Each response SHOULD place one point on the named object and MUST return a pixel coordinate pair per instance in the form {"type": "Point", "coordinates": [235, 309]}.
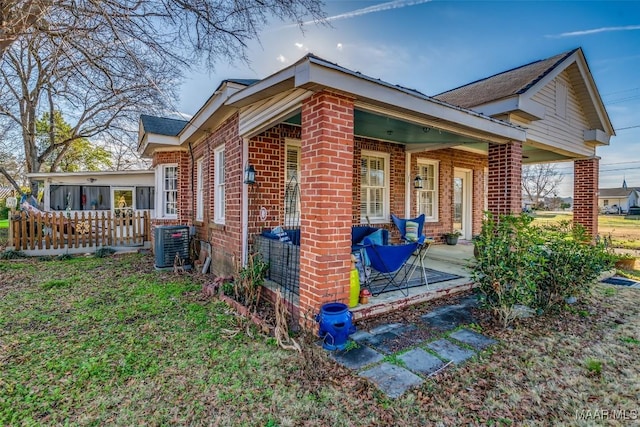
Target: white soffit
{"type": "Point", "coordinates": [262, 115]}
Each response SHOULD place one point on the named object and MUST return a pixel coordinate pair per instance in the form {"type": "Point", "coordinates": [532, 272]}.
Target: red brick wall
{"type": "Point", "coordinates": [326, 194]}
{"type": "Point", "coordinates": [585, 194]}
{"type": "Point", "coordinates": [505, 178]}
{"type": "Point", "coordinates": [448, 160]}
{"type": "Point", "coordinates": [226, 240]}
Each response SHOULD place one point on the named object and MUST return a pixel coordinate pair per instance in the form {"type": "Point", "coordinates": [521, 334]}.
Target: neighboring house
{"type": "Point", "coordinates": [355, 144]}
{"type": "Point", "coordinates": [618, 200]}
{"type": "Point", "coordinates": [98, 191]}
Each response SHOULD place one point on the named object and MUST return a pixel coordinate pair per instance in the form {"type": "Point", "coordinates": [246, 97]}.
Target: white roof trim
{"type": "Point", "coordinates": [313, 74]}
{"type": "Point", "coordinates": [596, 136]}
{"type": "Point", "coordinates": [578, 58]}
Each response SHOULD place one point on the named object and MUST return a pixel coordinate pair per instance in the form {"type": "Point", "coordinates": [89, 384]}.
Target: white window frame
{"type": "Point", "coordinates": [384, 218]}
{"type": "Point", "coordinates": [161, 205]}
{"type": "Point", "coordinates": [436, 188]}
{"type": "Point", "coordinates": [295, 145]}
{"type": "Point", "coordinates": [219, 202]}
{"type": "Point", "coordinates": [199, 190]}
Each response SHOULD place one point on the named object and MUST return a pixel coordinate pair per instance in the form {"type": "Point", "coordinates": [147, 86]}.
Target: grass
{"type": "Point", "coordinates": [110, 341]}
{"type": "Point", "coordinates": [625, 233]}
{"type": "Point", "coordinates": [4, 223]}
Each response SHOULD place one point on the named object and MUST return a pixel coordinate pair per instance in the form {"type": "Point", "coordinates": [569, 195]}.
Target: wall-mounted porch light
{"type": "Point", "coordinates": [417, 182]}
{"type": "Point", "coordinates": [249, 175]}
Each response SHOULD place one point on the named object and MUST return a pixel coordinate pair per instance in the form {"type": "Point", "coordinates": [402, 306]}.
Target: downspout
{"type": "Point", "coordinates": [245, 203]}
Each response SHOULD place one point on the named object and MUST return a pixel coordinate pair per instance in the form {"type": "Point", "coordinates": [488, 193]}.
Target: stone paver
{"type": "Point", "coordinates": [449, 351]}
{"type": "Point", "coordinates": [448, 317]}
{"type": "Point", "coordinates": [421, 361]}
{"type": "Point", "coordinates": [393, 380]}
{"type": "Point", "coordinates": [473, 339]}
{"type": "Point", "coordinates": [368, 358]}
{"type": "Point", "coordinates": [357, 358]}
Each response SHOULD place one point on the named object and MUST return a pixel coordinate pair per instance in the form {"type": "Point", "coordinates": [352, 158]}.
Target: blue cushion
{"type": "Point", "coordinates": [375, 238]}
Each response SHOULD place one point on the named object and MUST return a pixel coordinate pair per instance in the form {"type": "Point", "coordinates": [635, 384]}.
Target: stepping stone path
{"type": "Point", "coordinates": [394, 372]}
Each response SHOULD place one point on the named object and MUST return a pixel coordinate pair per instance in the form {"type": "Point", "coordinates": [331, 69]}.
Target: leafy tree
{"type": "Point", "coordinates": [540, 181]}
{"type": "Point", "coordinates": [74, 156]}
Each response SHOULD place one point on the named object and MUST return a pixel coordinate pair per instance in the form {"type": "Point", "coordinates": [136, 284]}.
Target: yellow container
{"type": "Point", "coordinates": [354, 292]}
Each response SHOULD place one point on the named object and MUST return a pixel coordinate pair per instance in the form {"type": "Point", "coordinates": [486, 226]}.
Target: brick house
{"type": "Point", "coordinates": [356, 145]}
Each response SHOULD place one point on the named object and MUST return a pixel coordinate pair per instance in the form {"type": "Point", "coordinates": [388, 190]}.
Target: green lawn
{"type": "Point", "coordinates": [625, 233]}
{"type": "Point", "coordinates": [110, 341]}
{"type": "Point", "coordinates": [4, 223]}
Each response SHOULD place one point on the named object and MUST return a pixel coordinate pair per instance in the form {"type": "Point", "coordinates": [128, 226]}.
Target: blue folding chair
{"type": "Point", "coordinates": [423, 241]}
{"type": "Point", "coordinates": [388, 261]}
{"type": "Point", "coordinates": [401, 225]}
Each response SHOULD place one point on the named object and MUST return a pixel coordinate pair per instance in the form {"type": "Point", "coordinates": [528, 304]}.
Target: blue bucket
{"type": "Point", "coordinates": [335, 325]}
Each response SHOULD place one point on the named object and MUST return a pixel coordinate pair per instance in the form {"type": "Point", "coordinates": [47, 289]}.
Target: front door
{"type": "Point", "coordinates": [462, 186]}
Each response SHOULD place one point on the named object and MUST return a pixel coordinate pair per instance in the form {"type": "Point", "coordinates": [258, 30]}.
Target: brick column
{"type": "Point", "coordinates": [505, 178]}
{"type": "Point", "coordinates": [325, 199]}
{"type": "Point", "coordinates": [585, 193]}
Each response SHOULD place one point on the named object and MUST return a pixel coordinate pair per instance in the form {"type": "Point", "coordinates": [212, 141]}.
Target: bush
{"type": "Point", "coordinates": [508, 266]}
{"type": "Point", "coordinates": [572, 264]}
{"type": "Point", "coordinates": [519, 264]}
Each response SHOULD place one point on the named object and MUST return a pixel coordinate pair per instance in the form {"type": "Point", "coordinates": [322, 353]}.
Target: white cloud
{"type": "Point", "coordinates": [299, 45]}
{"type": "Point", "coordinates": [281, 59]}
{"type": "Point", "coordinates": [596, 31]}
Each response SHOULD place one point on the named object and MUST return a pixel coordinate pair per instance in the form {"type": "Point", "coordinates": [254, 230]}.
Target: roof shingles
{"type": "Point", "coordinates": [503, 85]}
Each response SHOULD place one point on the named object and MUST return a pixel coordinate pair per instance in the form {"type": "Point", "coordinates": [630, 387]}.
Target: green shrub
{"type": "Point", "coordinates": [12, 254]}
{"type": "Point", "coordinates": [104, 251]}
{"type": "Point", "coordinates": [572, 264]}
{"type": "Point", "coordinates": [538, 267]}
{"type": "Point", "coordinates": [509, 262]}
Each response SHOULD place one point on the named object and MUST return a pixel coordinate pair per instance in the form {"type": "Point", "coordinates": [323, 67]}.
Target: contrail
{"type": "Point", "coordinates": [596, 31]}
{"type": "Point", "coordinates": [395, 4]}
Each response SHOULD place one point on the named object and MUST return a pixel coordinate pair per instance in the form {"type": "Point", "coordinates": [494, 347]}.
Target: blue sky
{"type": "Point", "coordinates": [433, 46]}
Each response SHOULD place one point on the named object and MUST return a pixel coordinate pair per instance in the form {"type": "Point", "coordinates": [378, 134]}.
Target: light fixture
{"type": "Point", "coordinates": [92, 179]}
{"type": "Point", "coordinates": [249, 174]}
{"type": "Point", "coordinates": [426, 129]}
{"type": "Point", "coordinates": [417, 182]}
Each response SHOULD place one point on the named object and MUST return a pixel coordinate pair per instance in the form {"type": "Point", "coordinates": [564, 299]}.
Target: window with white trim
{"type": "Point", "coordinates": [219, 179]}
{"type": "Point", "coordinates": [427, 196]}
{"type": "Point", "coordinates": [292, 184]}
{"type": "Point", "coordinates": [374, 186]}
{"type": "Point", "coordinates": [169, 191]}
{"type": "Point", "coordinates": [199, 191]}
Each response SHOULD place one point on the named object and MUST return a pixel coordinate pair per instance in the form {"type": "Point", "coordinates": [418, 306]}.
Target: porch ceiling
{"type": "Point", "coordinates": [375, 126]}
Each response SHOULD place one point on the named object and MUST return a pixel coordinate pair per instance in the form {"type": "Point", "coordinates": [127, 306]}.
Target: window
{"type": "Point", "coordinates": [292, 185]}
{"type": "Point", "coordinates": [79, 197]}
{"type": "Point", "coordinates": [427, 197]}
{"type": "Point", "coordinates": [199, 191]}
{"type": "Point", "coordinates": [219, 195]}
{"type": "Point", "coordinates": [168, 191]}
{"type": "Point", "coordinates": [145, 197]}
{"type": "Point", "coordinates": [374, 187]}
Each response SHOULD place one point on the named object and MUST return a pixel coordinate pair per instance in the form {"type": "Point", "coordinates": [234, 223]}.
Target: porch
{"type": "Point", "coordinates": [451, 260]}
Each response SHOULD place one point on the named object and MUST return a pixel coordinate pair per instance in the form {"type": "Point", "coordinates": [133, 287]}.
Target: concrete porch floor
{"type": "Point", "coordinates": [449, 259]}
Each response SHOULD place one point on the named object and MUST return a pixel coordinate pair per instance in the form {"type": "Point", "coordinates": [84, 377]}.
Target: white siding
{"type": "Point", "coordinates": [566, 134]}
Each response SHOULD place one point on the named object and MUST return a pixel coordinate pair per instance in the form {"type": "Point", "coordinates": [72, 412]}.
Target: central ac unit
{"type": "Point", "coordinates": [171, 241]}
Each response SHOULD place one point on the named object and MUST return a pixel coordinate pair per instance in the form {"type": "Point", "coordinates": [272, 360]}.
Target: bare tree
{"type": "Point", "coordinates": [103, 62]}
{"type": "Point", "coordinates": [539, 181]}
{"type": "Point", "coordinates": [177, 29]}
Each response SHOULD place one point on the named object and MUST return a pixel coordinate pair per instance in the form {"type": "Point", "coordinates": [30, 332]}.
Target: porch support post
{"type": "Point", "coordinates": [505, 178]}
{"type": "Point", "coordinates": [585, 193]}
{"type": "Point", "coordinates": [326, 202]}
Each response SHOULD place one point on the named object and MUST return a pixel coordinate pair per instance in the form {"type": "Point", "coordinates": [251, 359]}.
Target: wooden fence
{"type": "Point", "coordinates": [53, 231]}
